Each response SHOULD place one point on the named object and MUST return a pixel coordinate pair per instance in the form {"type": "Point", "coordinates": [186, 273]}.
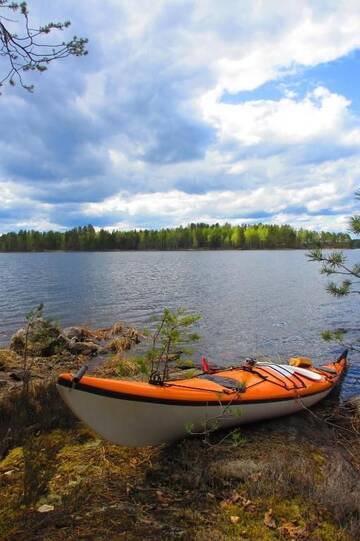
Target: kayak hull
{"type": "Point", "coordinates": [135, 423]}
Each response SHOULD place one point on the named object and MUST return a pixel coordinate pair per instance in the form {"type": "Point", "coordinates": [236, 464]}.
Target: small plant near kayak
{"type": "Point", "coordinates": [237, 437]}
{"type": "Point", "coordinates": [212, 424]}
{"type": "Point", "coordinates": [171, 339]}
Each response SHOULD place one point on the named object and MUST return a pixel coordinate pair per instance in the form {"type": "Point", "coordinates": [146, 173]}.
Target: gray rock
{"type": "Point", "coordinates": [42, 338]}
{"type": "Point", "coordinates": [74, 332]}
{"type": "Point", "coordinates": [16, 376]}
{"type": "Point", "coordinates": [17, 341]}
{"type": "Point", "coordinates": [237, 469]}
{"type": "Point", "coordinates": [86, 348]}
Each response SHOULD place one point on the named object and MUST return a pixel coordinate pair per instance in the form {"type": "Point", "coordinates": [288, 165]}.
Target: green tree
{"type": "Point", "coordinates": [237, 237]}
{"type": "Point", "coordinates": [263, 234]}
{"type": "Point", "coordinates": [26, 48]}
{"type": "Point", "coordinates": [251, 237]}
{"type": "Point", "coordinates": [336, 264]}
{"type": "Point", "coordinates": [193, 236]}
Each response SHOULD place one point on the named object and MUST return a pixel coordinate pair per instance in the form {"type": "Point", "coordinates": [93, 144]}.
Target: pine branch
{"type": "Point", "coordinates": [24, 53]}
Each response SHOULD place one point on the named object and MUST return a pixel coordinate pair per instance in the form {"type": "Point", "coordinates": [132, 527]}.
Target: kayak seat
{"type": "Point", "coordinates": [228, 383]}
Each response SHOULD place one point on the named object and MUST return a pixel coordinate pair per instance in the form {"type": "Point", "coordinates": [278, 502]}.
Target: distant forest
{"type": "Point", "coordinates": [194, 236]}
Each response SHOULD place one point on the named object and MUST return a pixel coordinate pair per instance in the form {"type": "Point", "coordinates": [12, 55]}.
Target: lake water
{"type": "Point", "coordinates": [252, 302]}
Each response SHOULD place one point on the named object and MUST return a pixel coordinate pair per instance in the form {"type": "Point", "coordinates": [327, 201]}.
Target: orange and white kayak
{"type": "Point", "coordinates": [135, 413]}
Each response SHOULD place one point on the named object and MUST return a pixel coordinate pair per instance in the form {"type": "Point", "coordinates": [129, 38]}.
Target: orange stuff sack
{"type": "Point", "coordinates": [301, 362]}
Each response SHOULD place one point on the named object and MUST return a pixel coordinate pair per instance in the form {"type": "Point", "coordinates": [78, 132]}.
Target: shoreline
{"type": "Point", "coordinates": [179, 250]}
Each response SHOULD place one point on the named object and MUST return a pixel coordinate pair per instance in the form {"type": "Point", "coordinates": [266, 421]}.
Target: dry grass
{"type": "Point", "coordinates": [118, 329]}
{"type": "Point", "coordinates": [322, 477]}
{"type": "Point", "coordinates": [120, 344]}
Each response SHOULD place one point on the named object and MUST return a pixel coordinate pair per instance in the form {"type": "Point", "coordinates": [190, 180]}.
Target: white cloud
{"type": "Point", "coordinates": [241, 45]}
{"type": "Point", "coordinates": [13, 193]}
{"type": "Point", "coordinates": [285, 34]}
{"type": "Point", "coordinates": [181, 207]}
{"type": "Point", "coordinates": [321, 222]}
{"type": "Point", "coordinates": [319, 114]}
{"type": "Point", "coordinates": [94, 94]}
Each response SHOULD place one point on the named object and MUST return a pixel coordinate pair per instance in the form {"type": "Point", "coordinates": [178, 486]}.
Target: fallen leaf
{"type": "Point", "coordinates": [247, 504]}
{"type": "Point", "coordinates": [235, 497]}
{"type": "Point", "coordinates": [145, 520]}
{"type": "Point", "coordinates": [9, 472]}
{"type": "Point", "coordinates": [45, 508]}
{"type": "Point", "coordinates": [234, 519]}
{"type": "Point", "coordinates": [269, 519]}
{"type": "Point", "coordinates": [292, 531]}
{"type": "Point", "coordinates": [162, 498]}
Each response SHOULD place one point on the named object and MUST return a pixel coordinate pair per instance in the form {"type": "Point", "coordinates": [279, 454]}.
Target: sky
{"type": "Point", "coordinates": [188, 111]}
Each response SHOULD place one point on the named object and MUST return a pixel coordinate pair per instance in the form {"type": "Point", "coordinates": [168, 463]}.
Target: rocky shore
{"type": "Point", "coordinates": [62, 350]}
{"type": "Point", "coordinates": [296, 478]}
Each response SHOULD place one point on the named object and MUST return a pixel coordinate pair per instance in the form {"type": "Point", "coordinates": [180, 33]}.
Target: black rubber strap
{"type": "Point", "coordinates": [327, 370]}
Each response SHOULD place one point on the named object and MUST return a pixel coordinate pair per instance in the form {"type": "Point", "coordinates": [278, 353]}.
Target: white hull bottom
{"type": "Point", "coordinates": [136, 423]}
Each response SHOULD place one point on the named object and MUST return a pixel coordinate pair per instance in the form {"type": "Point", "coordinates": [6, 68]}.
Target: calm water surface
{"type": "Point", "coordinates": [266, 302]}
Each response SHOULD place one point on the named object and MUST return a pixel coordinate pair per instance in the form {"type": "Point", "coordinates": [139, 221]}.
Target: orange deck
{"type": "Point", "coordinates": [257, 389]}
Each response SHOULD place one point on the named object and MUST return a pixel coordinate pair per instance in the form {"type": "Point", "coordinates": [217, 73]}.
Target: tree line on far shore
{"type": "Point", "coordinates": [193, 236]}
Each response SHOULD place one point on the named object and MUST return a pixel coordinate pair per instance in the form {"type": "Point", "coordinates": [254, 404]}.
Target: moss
{"type": "Point", "coordinates": [296, 515]}
{"type": "Point", "coordinates": [185, 363]}
{"type": "Point", "coordinates": [327, 531]}
{"type": "Point", "coordinates": [11, 486]}
{"type": "Point", "coordinates": [12, 460]}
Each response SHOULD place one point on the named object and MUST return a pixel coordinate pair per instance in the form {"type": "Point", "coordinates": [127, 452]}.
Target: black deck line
{"type": "Point", "coordinates": [168, 401]}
